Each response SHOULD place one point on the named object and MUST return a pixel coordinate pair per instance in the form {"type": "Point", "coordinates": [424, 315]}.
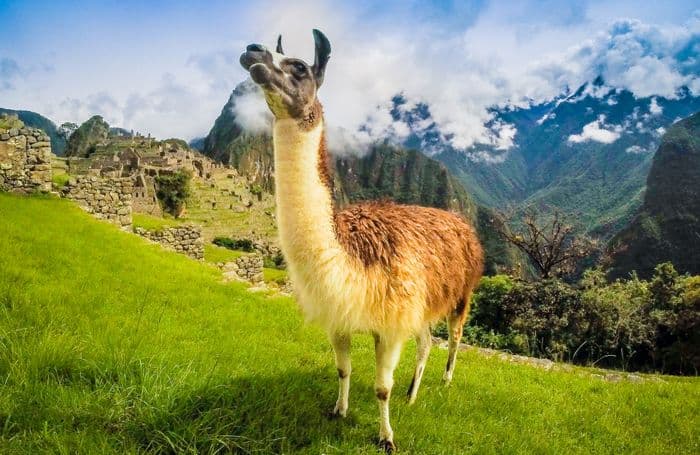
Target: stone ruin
{"type": "Point", "coordinates": [143, 160]}
{"type": "Point", "coordinates": [248, 267]}
{"type": "Point", "coordinates": [186, 239]}
{"type": "Point", "coordinates": [25, 157]}
{"type": "Point", "coordinates": [106, 198]}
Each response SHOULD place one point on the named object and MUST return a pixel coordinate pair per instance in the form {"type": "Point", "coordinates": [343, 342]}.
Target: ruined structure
{"type": "Point", "coordinates": [106, 198]}
{"type": "Point", "coordinates": [248, 267]}
{"type": "Point", "coordinates": [25, 157]}
{"type": "Point", "coordinates": [185, 239]}
{"type": "Point", "coordinates": [143, 159]}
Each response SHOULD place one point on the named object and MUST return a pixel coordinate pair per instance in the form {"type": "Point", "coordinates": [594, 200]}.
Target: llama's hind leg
{"type": "Point", "coordinates": [341, 346]}
{"type": "Point", "coordinates": [388, 352]}
{"type": "Point", "coordinates": [455, 324]}
{"type": "Point", "coordinates": [423, 344]}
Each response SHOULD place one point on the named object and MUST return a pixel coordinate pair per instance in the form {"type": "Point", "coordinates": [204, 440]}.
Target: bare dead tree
{"type": "Point", "coordinates": [550, 240]}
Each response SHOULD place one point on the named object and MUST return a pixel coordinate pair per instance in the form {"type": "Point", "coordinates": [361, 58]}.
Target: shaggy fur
{"type": "Point", "coordinates": [381, 268]}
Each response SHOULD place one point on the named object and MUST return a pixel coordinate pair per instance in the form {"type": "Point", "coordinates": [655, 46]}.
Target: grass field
{"type": "Point", "coordinates": [111, 344]}
{"type": "Point", "coordinates": [153, 223]}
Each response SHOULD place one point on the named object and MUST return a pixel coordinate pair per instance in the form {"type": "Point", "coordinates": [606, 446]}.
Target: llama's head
{"type": "Point", "coordinates": [289, 84]}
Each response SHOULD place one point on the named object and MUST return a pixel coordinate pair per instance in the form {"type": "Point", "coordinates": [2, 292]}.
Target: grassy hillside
{"type": "Point", "coordinates": [110, 344]}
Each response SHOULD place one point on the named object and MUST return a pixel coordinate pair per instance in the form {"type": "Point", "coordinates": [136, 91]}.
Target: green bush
{"type": "Point", "coordinates": [173, 191]}
{"type": "Point", "coordinates": [487, 303]}
{"type": "Point", "coordinates": [630, 324]}
{"type": "Point", "coordinates": [234, 244]}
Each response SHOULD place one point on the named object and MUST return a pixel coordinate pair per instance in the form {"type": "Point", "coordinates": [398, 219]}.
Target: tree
{"type": "Point", "coordinates": [549, 240]}
{"type": "Point", "coordinates": [173, 191]}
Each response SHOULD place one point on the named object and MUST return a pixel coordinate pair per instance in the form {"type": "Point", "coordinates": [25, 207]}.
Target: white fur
{"type": "Point", "coordinates": [334, 290]}
{"type": "Point", "coordinates": [277, 59]}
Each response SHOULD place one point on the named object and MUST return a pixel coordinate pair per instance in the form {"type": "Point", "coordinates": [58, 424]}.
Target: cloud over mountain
{"type": "Point", "coordinates": [460, 59]}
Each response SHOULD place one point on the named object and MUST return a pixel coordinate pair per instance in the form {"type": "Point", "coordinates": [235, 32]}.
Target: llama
{"type": "Point", "coordinates": [377, 267]}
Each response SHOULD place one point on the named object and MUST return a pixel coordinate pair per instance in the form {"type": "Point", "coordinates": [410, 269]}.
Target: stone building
{"type": "Point", "coordinates": [142, 160]}
{"type": "Point", "coordinates": [25, 157]}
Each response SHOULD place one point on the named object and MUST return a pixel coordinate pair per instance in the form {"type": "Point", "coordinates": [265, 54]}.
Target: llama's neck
{"type": "Point", "coordinates": [304, 200]}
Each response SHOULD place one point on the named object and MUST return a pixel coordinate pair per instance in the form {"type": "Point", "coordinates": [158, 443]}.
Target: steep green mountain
{"type": "Point", "coordinates": [197, 143]}
{"type": "Point", "coordinates": [667, 228]}
{"type": "Point", "coordinates": [390, 172]}
{"type": "Point", "coordinates": [88, 135]}
{"type": "Point", "coordinates": [58, 142]}
{"type": "Point", "coordinates": [586, 154]}
{"type": "Point", "coordinates": [229, 143]}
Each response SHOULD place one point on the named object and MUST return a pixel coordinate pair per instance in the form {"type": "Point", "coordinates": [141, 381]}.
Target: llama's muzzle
{"type": "Point", "coordinates": [255, 53]}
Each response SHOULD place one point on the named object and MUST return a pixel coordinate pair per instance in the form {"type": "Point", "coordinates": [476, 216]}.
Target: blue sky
{"type": "Point", "coordinates": [168, 67]}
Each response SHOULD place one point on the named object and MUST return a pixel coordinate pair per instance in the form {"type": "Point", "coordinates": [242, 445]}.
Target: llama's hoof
{"type": "Point", "coordinates": [387, 446]}
{"type": "Point", "coordinates": [336, 414]}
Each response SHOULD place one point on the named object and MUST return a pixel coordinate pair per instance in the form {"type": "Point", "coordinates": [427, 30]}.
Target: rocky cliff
{"type": "Point", "coordinates": [667, 228]}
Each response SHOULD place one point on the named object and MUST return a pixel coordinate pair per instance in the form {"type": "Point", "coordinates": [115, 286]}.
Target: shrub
{"type": "Point", "coordinates": [487, 303]}
{"type": "Point", "coordinates": [548, 314]}
{"type": "Point", "coordinates": [173, 191]}
{"type": "Point", "coordinates": [620, 329]}
{"type": "Point", "coordinates": [234, 244]}
{"type": "Point", "coordinates": [632, 324]}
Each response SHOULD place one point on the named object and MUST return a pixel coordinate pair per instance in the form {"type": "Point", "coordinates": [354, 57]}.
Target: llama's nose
{"type": "Point", "coordinates": [255, 48]}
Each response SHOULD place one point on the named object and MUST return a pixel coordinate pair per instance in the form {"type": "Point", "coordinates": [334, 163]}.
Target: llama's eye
{"type": "Point", "coordinates": [299, 68]}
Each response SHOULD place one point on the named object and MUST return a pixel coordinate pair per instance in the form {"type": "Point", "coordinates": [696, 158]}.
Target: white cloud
{"type": "Point", "coordinates": [597, 131]}
{"type": "Point", "coordinates": [643, 58]}
{"type": "Point", "coordinates": [249, 108]}
{"type": "Point", "coordinates": [635, 149]}
{"type": "Point", "coordinates": [654, 108]}
{"type": "Point", "coordinates": [545, 117]}
{"type": "Point", "coordinates": [502, 53]}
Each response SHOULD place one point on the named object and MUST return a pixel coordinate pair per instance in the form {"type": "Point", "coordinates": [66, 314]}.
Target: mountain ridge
{"type": "Point", "coordinates": [667, 226]}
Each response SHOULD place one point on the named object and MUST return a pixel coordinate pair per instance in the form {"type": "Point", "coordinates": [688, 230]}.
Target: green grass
{"type": "Point", "coordinates": [274, 275]}
{"type": "Point", "coordinates": [10, 122]}
{"type": "Point", "coordinates": [153, 223]}
{"type": "Point", "coordinates": [216, 254]}
{"type": "Point", "coordinates": [109, 344]}
{"type": "Point", "coordinates": [60, 180]}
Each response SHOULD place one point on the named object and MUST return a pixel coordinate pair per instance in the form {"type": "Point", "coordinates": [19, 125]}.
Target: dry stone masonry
{"type": "Point", "coordinates": [107, 198]}
{"type": "Point", "coordinates": [185, 239]}
{"type": "Point", "coordinates": [248, 267]}
{"type": "Point", "coordinates": [25, 158]}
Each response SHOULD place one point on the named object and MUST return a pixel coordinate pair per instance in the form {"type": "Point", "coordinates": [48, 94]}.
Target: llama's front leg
{"type": "Point", "coordinates": [388, 352]}
{"type": "Point", "coordinates": [341, 346]}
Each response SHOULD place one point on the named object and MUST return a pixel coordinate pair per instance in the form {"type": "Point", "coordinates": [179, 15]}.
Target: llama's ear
{"type": "Point", "coordinates": [323, 53]}
{"type": "Point", "coordinates": [279, 45]}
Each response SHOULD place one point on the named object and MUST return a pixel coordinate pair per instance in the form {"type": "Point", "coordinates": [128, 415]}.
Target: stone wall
{"type": "Point", "coordinates": [186, 239]}
{"type": "Point", "coordinates": [25, 160]}
{"type": "Point", "coordinates": [248, 267]}
{"type": "Point", "coordinates": [266, 248]}
{"type": "Point", "coordinates": [106, 198]}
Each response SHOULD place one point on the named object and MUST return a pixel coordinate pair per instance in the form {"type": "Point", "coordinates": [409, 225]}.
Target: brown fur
{"type": "Point", "coordinates": [310, 118]}
{"type": "Point", "coordinates": [388, 234]}
{"type": "Point", "coordinates": [325, 171]}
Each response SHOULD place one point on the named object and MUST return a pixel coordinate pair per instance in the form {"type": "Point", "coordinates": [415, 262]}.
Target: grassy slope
{"type": "Point", "coordinates": [108, 343]}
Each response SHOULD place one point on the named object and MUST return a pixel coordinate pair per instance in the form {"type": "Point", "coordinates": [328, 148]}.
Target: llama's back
{"type": "Point", "coordinates": [414, 244]}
